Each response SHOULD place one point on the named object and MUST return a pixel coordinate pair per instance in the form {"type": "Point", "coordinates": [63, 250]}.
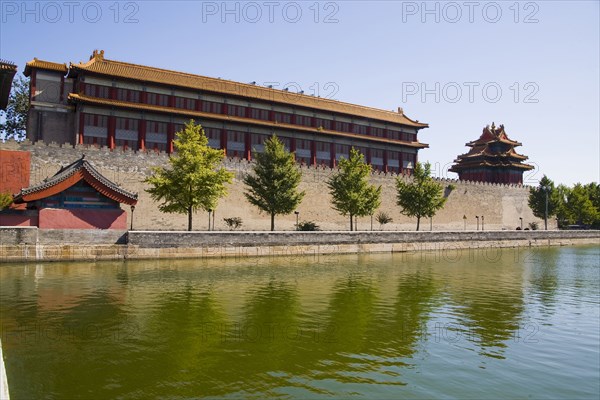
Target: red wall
{"type": "Point", "coordinates": [14, 171]}
{"type": "Point", "coordinates": [20, 219]}
{"type": "Point", "coordinates": [53, 218]}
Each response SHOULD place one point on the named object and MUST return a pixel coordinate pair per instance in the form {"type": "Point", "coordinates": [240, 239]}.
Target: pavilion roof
{"type": "Point", "coordinates": [69, 176]}
{"type": "Point", "coordinates": [47, 65]}
{"type": "Point", "coordinates": [100, 65]}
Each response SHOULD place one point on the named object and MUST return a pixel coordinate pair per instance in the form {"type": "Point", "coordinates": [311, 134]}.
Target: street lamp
{"type": "Point", "coordinates": [477, 216]}
{"type": "Point", "coordinates": [132, 210]}
{"type": "Point", "coordinates": [482, 227]}
{"type": "Point", "coordinates": [521, 219]}
{"type": "Point", "coordinates": [546, 189]}
{"type": "Point", "coordinates": [465, 221]}
{"type": "Point", "coordinates": [297, 215]}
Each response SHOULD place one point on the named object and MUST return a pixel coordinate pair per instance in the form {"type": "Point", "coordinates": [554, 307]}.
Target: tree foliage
{"type": "Point", "coordinates": [273, 185]}
{"type": "Point", "coordinates": [537, 198]}
{"type": "Point", "coordinates": [6, 199]}
{"type": "Point", "coordinates": [13, 123]}
{"type": "Point", "coordinates": [579, 206]}
{"type": "Point", "coordinates": [351, 193]}
{"type": "Point", "coordinates": [194, 180]}
{"type": "Point", "coordinates": [421, 197]}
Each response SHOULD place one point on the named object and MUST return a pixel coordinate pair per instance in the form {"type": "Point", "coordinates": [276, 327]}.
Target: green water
{"type": "Point", "coordinates": [511, 323]}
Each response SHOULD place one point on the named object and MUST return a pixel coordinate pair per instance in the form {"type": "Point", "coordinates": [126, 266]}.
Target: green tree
{"type": "Point", "coordinates": [560, 197]}
{"type": "Point", "coordinates": [422, 197]}
{"type": "Point", "coordinates": [579, 206]}
{"type": "Point", "coordinates": [593, 190]}
{"type": "Point", "coordinates": [351, 193]}
{"type": "Point", "coordinates": [537, 199]}
{"type": "Point", "coordinates": [273, 185]}
{"type": "Point", "coordinates": [14, 119]}
{"type": "Point", "coordinates": [194, 180]}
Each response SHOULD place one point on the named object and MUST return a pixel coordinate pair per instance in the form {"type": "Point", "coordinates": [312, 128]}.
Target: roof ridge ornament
{"type": "Point", "coordinates": [97, 55]}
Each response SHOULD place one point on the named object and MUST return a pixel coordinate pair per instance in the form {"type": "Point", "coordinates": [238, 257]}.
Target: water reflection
{"type": "Point", "coordinates": [341, 327]}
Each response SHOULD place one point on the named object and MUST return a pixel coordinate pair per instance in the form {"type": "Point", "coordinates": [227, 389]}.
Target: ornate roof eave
{"type": "Point", "coordinates": [99, 65]}
{"type": "Point", "coordinates": [220, 117]}
{"type": "Point", "coordinates": [47, 65]}
{"type": "Point", "coordinates": [460, 167]}
{"type": "Point", "coordinates": [7, 74]}
{"type": "Point", "coordinates": [70, 175]}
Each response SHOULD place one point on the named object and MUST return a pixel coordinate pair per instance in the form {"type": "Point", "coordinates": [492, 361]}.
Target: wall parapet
{"type": "Point", "coordinates": [230, 163]}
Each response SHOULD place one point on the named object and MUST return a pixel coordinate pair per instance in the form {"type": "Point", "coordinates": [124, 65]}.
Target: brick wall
{"type": "Point", "coordinates": [501, 205]}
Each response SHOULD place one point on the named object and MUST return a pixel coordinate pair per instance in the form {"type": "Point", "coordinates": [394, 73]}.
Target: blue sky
{"type": "Point", "coordinates": [532, 66]}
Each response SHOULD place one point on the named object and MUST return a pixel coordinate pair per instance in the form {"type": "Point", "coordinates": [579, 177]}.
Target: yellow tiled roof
{"type": "Point", "coordinates": [198, 114]}
{"type": "Point", "coordinates": [99, 65]}
{"type": "Point", "coordinates": [48, 65]}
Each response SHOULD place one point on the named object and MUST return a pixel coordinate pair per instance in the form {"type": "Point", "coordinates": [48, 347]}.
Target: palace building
{"type": "Point", "coordinates": [120, 105]}
{"type": "Point", "coordinates": [76, 197]}
{"type": "Point", "coordinates": [492, 158]}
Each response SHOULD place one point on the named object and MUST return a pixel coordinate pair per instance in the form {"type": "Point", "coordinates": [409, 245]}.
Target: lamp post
{"type": "Point", "coordinates": [477, 216]}
{"type": "Point", "coordinates": [297, 215]}
{"type": "Point", "coordinates": [465, 221]}
{"type": "Point", "coordinates": [521, 220]}
{"type": "Point", "coordinates": [132, 210]}
{"type": "Point", "coordinates": [209, 211]}
{"type": "Point", "coordinates": [482, 227]}
{"type": "Point", "coordinates": [546, 189]}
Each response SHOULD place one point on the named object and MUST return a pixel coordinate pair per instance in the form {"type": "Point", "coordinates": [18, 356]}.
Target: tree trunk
{"type": "Point", "coordinates": [418, 222]}
{"type": "Point", "coordinates": [272, 221]}
{"type": "Point", "coordinates": [189, 218]}
{"type": "Point", "coordinates": [351, 225]}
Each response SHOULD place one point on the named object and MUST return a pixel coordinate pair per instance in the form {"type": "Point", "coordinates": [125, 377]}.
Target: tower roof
{"type": "Point", "coordinates": [493, 149]}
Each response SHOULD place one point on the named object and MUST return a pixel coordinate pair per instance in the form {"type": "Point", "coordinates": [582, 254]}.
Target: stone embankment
{"type": "Point", "coordinates": [32, 244]}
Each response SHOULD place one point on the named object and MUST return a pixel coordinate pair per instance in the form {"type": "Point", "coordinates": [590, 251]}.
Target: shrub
{"type": "Point", "coordinates": [307, 226]}
{"type": "Point", "coordinates": [383, 218]}
{"type": "Point", "coordinates": [6, 200]}
{"type": "Point", "coordinates": [533, 226]}
{"type": "Point", "coordinates": [233, 223]}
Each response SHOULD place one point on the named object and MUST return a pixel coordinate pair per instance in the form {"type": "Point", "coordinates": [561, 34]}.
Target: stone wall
{"type": "Point", "coordinates": [32, 244]}
{"type": "Point", "coordinates": [500, 205]}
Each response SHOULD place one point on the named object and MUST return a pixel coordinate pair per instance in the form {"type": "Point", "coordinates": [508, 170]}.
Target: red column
{"type": "Point", "coordinates": [313, 153]}
{"type": "Point", "coordinates": [142, 135]}
{"type": "Point", "coordinates": [293, 146]}
{"type": "Point", "coordinates": [332, 153]}
{"type": "Point", "coordinates": [81, 126]}
{"type": "Point", "coordinates": [144, 97]}
{"type": "Point", "coordinates": [248, 146]}
{"type": "Point", "coordinates": [112, 126]}
{"type": "Point", "coordinates": [170, 134]}
{"type": "Point", "coordinates": [401, 163]}
{"type": "Point", "coordinates": [112, 93]}
{"type": "Point", "coordinates": [224, 109]}
{"type": "Point", "coordinates": [368, 156]}
{"type": "Point", "coordinates": [385, 161]}
{"type": "Point", "coordinates": [32, 85]}
{"type": "Point", "coordinates": [224, 141]}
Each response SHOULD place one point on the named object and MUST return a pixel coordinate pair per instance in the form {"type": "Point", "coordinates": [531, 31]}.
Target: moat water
{"type": "Point", "coordinates": [487, 324]}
